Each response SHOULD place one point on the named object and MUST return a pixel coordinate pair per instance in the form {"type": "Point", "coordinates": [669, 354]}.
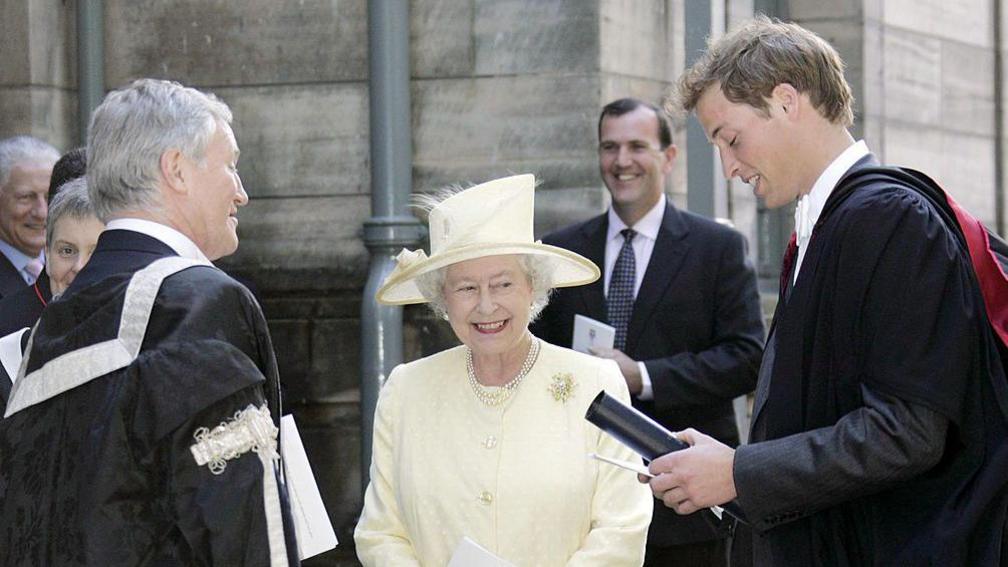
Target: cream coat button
{"type": "Point", "coordinates": [486, 498]}
{"type": "Point", "coordinates": [490, 442]}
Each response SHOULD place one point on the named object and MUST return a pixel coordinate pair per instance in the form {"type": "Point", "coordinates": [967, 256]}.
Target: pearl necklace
{"type": "Point", "coordinates": [497, 396]}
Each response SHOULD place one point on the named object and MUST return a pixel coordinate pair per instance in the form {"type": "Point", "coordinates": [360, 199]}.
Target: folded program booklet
{"type": "Point", "coordinates": [591, 333]}
{"type": "Point", "coordinates": [314, 531]}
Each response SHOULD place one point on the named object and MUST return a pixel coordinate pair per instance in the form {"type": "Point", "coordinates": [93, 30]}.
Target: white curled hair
{"type": "Point", "coordinates": [538, 270]}
{"type": "Point", "coordinates": [24, 149]}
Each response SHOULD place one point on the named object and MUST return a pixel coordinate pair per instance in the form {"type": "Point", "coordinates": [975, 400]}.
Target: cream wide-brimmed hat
{"type": "Point", "coordinates": [490, 219]}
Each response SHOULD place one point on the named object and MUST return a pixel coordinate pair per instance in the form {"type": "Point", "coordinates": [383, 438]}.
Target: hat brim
{"type": "Point", "coordinates": [569, 269]}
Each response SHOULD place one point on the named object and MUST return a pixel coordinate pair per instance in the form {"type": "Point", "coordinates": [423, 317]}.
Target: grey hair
{"type": "Point", "coordinates": [71, 200]}
{"type": "Point", "coordinates": [24, 149]}
{"type": "Point", "coordinates": [130, 131]}
{"type": "Point", "coordinates": [537, 268]}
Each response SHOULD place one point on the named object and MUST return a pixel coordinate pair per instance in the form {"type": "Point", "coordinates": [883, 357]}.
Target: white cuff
{"type": "Point", "coordinates": [647, 392]}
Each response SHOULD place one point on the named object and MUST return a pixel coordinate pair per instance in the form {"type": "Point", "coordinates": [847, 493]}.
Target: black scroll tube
{"type": "Point", "coordinates": [639, 432]}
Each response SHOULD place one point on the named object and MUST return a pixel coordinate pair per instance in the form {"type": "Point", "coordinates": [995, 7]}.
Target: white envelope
{"type": "Point", "coordinates": [591, 333]}
{"type": "Point", "coordinates": [313, 529]}
{"type": "Point", "coordinates": [471, 554]}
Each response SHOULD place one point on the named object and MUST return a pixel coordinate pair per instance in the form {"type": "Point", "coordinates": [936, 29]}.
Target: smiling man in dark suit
{"type": "Point", "coordinates": [683, 299]}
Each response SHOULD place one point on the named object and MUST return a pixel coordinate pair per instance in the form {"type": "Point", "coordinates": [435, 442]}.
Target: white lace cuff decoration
{"type": "Point", "coordinates": [251, 429]}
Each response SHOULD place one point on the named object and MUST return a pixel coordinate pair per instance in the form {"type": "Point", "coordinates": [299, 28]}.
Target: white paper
{"type": "Point", "coordinates": [314, 531]}
{"type": "Point", "coordinates": [10, 353]}
{"type": "Point", "coordinates": [471, 554]}
{"type": "Point", "coordinates": [591, 333]}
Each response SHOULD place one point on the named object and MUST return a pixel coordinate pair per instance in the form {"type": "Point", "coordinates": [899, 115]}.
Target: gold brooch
{"type": "Point", "coordinates": [562, 387]}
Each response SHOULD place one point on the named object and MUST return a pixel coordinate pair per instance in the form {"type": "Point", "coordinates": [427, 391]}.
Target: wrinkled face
{"type": "Point", "coordinates": [488, 301]}
{"type": "Point", "coordinates": [23, 207]}
{"type": "Point", "coordinates": [753, 147]}
{"type": "Point", "coordinates": [73, 241]}
{"type": "Point", "coordinates": [216, 193]}
{"type": "Point", "coordinates": [632, 164]}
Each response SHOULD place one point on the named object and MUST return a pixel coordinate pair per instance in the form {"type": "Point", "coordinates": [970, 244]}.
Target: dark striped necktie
{"type": "Point", "coordinates": [619, 303]}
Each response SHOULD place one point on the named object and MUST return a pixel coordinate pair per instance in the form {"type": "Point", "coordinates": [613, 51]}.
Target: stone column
{"type": "Point", "coordinates": [37, 70]}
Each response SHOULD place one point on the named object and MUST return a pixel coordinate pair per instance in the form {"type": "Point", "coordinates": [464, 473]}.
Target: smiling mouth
{"type": "Point", "coordinates": [490, 328]}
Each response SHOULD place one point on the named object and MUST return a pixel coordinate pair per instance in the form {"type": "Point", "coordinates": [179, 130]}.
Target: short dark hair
{"type": "Point", "coordinates": [70, 166]}
{"type": "Point", "coordinates": [625, 105]}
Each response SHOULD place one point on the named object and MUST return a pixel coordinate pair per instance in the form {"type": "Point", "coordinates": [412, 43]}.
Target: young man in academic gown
{"type": "Point", "coordinates": [879, 432]}
{"type": "Point", "coordinates": [143, 427]}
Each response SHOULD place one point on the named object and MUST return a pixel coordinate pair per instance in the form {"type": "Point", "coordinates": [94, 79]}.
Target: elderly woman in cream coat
{"type": "Point", "coordinates": [488, 441]}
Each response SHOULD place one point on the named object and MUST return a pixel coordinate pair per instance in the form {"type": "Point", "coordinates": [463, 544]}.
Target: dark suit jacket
{"type": "Point", "coordinates": [10, 280]}
{"type": "Point", "coordinates": [24, 307]}
{"type": "Point", "coordinates": [696, 324]}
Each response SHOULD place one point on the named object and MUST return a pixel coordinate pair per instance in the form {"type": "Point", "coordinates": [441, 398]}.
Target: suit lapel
{"type": "Point", "coordinates": [593, 294]}
{"type": "Point", "coordinates": [666, 257]}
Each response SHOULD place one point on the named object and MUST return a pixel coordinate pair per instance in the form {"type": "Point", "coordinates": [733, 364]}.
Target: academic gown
{"type": "Point", "coordinates": [886, 305]}
{"type": "Point", "coordinates": [107, 472]}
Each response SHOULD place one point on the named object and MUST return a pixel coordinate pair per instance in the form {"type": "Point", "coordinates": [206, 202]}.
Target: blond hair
{"type": "Point", "coordinates": [750, 61]}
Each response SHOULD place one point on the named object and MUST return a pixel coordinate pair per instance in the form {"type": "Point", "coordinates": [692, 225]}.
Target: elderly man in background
{"type": "Point", "coordinates": [22, 308]}
{"type": "Point", "coordinates": [142, 428]}
{"type": "Point", "coordinates": [26, 164]}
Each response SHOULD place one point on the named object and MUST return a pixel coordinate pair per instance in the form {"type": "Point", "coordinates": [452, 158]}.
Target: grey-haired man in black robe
{"type": "Point", "coordinates": [142, 428]}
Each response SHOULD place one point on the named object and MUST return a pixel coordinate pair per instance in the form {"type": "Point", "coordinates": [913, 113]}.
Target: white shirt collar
{"type": "Point", "coordinates": [811, 204]}
{"type": "Point", "coordinates": [18, 258]}
{"type": "Point", "coordinates": [648, 225]}
{"type": "Point", "coordinates": [174, 239]}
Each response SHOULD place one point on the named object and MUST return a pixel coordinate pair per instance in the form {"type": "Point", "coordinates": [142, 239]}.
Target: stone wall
{"type": "Point", "coordinates": [38, 76]}
{"type": "Point", "coordinates": [923, 73]}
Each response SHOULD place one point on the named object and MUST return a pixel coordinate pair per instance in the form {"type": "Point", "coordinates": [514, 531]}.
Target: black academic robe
{"type": "Point", "coordinates": [886, 306]}
{"type": "Point", "coordinates": [104, 473]}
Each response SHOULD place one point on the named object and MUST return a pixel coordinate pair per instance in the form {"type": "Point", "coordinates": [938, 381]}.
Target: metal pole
{"type": "Point", "coordinates": [699, 155]}
{"type": "Point", "coordinates": [391, 227]}
{"type": "Point", "coordinates": [90, 61]}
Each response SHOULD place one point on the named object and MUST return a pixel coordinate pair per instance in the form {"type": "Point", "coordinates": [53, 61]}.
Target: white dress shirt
{"type": "Point", "coordinates": [811, 204]}
{"type": "Point", "coordinates": [643, 244]}
{"type": "Point", "coordinates": [172, 238]}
